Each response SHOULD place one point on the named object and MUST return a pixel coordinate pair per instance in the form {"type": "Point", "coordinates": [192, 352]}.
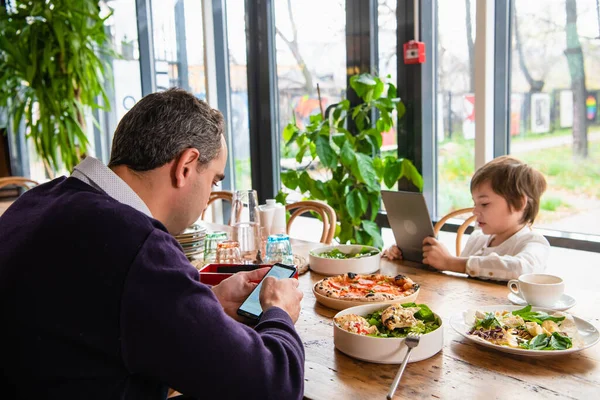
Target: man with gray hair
{"type": "Point", "coordinates": [97, 298]}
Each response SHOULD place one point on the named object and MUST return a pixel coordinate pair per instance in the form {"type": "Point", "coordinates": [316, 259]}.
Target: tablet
{"type": "Point", "coordinates": [410, 221]}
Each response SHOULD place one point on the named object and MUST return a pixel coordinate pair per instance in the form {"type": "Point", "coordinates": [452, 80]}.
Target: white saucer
{"type": "Point", "coordinates": [563, 304]}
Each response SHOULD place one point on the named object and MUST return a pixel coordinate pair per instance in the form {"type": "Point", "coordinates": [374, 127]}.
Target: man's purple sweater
{"type": "Point", "coordinates": [97, 301]}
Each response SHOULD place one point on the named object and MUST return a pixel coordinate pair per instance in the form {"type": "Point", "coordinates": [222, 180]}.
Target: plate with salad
{"type": "Point", "coordinates": [376, 332]}
{"type": "Point", "coordinates": [344, 258]}
{"type": "Point", "coordinates": [529, 331]}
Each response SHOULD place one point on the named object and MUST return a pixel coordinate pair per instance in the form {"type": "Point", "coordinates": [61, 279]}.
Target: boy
{"type": "Point", "coordinates": [506, 193]}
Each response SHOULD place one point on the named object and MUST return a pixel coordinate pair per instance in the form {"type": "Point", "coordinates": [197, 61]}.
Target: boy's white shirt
{"type": "Point", "coordinates": [524, 252]}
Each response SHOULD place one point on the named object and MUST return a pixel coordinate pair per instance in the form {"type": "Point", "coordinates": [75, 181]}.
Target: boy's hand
{"type": "Point", "coordinates": [436, 254]}
{"type": "Point", "coordinates": [393, 253]}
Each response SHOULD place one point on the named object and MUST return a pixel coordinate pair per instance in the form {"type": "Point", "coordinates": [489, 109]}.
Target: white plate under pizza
{"type": "Point", "coordinates": [348, 290]}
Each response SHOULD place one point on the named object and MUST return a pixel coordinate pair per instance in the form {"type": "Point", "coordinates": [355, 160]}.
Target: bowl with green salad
{"type": "Point", "coordinates": [341, 259]}
{"type": "Point", "coordinates": [376, 332]}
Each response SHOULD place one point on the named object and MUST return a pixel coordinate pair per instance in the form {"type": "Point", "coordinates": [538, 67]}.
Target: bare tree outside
{"type": "Point", "coordinates": [555, 105]}
{"type": "Point", "coordinates": [535, 85]}
{"type": "Point", "coordinates": [574, 55]}
{"type": "Point", "coordinates": [598, 14]}
{"type": "Point", "coordinates": [294, 47]}
{"type": "Point", "coordinates": [470, 46]}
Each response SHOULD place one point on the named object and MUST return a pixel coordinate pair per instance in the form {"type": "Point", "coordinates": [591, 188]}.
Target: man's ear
{"type": "Point", "coordinates": [187, 160]}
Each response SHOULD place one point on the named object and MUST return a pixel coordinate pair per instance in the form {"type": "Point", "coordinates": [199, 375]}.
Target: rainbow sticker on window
{"type": "Point", "coordinates": [591, 106]}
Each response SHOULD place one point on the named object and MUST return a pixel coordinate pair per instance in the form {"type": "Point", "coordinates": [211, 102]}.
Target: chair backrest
{"type": "Point", "coordinates": [224, 195]}
{"type": "Point", "coordinates": [17, 181]}
{"type": "Point", "coordinates": [461, 229]}
{"type": "Point", "coordinates": [324, 210]}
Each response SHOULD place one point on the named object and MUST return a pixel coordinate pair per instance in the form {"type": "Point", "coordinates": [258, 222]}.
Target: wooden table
{"type": "Point", "coordinates": [462, 369]}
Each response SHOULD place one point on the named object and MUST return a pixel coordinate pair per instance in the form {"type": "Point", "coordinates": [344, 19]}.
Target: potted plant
{"type": "Point", "coordinates": [352, 161]}
{"type": "Point", "coordinates": [53, 66]}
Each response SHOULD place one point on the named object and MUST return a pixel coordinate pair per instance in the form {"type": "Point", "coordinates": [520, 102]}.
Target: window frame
{"type": "Point", "coordinates": [146, 43]}
{"type": "Point", "coordinates": [262, 98]}
{"type": "Point", "coordinates": [218, 87]}
{"type": "Point", "coordinates": [502, 40]}
{"type": "Point", "coordinates": [417, 86]}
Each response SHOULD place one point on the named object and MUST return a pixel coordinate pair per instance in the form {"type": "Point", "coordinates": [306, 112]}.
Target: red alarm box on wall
{"type": "Point", "coordinates": [414, 52]}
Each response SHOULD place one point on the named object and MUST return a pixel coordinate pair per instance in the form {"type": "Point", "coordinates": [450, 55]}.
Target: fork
{"type": "Point", "coordinates": [412, 341]}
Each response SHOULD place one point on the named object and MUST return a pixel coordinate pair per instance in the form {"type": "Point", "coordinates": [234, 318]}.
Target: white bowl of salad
{"type": "Point", "coordinates": [363, 332]}
{"type": "Point", "coordinates": [341, 259]}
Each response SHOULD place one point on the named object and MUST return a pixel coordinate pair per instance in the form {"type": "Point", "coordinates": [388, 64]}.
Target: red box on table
{"type": "Point", "coordinates": [213, 274]}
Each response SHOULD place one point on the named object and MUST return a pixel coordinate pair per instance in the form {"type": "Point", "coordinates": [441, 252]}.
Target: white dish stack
{"type": "Point", "coordinates": [192, 240]}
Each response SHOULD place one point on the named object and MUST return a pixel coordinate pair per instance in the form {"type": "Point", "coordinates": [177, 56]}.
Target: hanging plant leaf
{"type": "Point", "coordinates": [317, 190]}
{"type": "Point", "coordinates": [301, 152]}
{"type": "Point", "coordinates": [365, 172]}
{"type": "Point", "coordinates": [326, 154]}
{"type": "Point", "coordinates": [304, 182]}
{"type": "Point", "coordinates": [55, 65]}
{"type": "Point", "coordinates": [351, 162]}
{"type": "Point", "coordinates": [392, 172]}
{"type": "Point", "coordinates": [410, 172]}
{"type": "Point", "coordinates": [289, 133]}
{"type": "Point", "coordinates": [356, 202]}
{"type": "Point", "coordinates": [378, 90]}
{"type": "Point", "coordinates": [401, 110]}
{"type": "Point", "coordinates": [290, 179]}
{"type": "Point", "coordinates": [374, 232]}
{"type": "Point", "coordinates": [339, 139]}
{"type": "Point", "coordinates": [347, 155]}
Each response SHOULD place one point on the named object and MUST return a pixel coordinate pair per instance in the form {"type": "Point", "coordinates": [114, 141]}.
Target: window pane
{"type": "Point", "coordinates": [455, 104]}
{"type": "Point", "coordinates": [388, 66]}
{"type": "Point", "coordinates": [179, 45]}
{"type": "Point", "coordinates": [194, 45]}
{"type": "Point", "coordinates": [554, 113]}
{"type": "Point", "coordinates": [122, 28]}
{"type": "Point", "coordinates": [126, 70]}
{"type": "Point", "coordinates": [387, 38]}
{"type": "Point", "coordinates": [311, 51]}
{"type": "Point", "coordinates": [238, 81]}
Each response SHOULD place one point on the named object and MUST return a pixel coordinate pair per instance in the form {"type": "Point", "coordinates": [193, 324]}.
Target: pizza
{"type": "Point", "coordinates": [367, 288]}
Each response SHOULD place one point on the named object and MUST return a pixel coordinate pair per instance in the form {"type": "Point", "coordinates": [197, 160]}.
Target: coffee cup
{"type": "Point", "coordinates": [541, 290]}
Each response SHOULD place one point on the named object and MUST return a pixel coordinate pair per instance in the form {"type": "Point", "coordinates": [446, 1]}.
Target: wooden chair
{"type": "Point", "coordinates": [13, 181]}
{"type": "Point", "coordinates": [324, 210]}
{"type": "Point", "coordinates": [17, 181]}
{"type": "Point", "coordinates": [224, 195]}
{"type": "Point", "coordinates": [461, 229]}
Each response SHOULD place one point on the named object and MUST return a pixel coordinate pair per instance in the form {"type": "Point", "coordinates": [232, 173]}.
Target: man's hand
{"type": "Point", "coordinates": [232, 291]}
{"type": "Point", "coordinates": [282, 293]}
{"type": "Point", "coordinates": [393, 253]}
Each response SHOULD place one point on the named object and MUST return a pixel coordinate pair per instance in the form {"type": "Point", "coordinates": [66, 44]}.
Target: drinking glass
{"type": "Point", "coordinates": [244, 207]}
{"type": "Point", "coordinates": [210, 245]}
{"type": "Point", "coordinates": [279, 250]}
{"type": "Point", "coordinates": [228, 252]}
{"type": "Point", "coordinates": [245, 221]}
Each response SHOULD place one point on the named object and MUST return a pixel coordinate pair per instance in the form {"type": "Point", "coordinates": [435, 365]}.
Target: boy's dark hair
{"type": "Point", "coordinates": [512, 179]}
{"type": "Point", "coordinates": [162, 125]}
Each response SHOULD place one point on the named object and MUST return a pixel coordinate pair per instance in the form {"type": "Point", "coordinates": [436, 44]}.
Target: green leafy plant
{"type": "Point", "coordinates": [52, 67]}
{"type": "Point", "coordinates": [351, 161]}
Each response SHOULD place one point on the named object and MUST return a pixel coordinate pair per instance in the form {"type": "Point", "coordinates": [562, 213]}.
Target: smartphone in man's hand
{"type": "Point", "coordinates": [251, 307]}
